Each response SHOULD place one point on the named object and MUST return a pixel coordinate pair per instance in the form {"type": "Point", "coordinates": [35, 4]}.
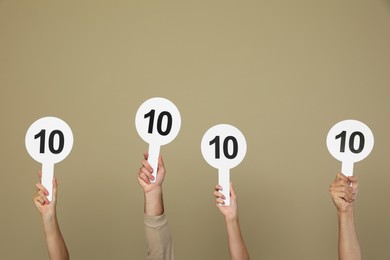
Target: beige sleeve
{"type": "Point", "coordinates": [158, 238]}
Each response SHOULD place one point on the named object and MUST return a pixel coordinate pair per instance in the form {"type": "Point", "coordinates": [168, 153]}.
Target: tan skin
{"type": "Point", "coordinates": [55, 243]}
{"type": "Point", "coordinates": [343, 191]}
{"type": "Point", "coordinates": [237, 248]}
{"type": "Point", "coordinates": [153, 203]}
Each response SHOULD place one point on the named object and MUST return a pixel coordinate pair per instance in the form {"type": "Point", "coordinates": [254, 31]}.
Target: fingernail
{"type": "Point", "coordinates": [46, 193]}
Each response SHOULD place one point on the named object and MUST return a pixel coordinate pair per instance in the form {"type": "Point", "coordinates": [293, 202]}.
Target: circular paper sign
{"type": "Point", "coordinates": [158, 121]}
{"type": "Point", "coordinates": [223, 146]}
{"type": "Point", "coordinates": [49, 140]}
{"type": "Point", "coordinates": [350, 141]}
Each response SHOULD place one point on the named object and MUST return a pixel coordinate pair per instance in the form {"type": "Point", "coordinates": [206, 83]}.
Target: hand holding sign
{"type": "Point", "coordinates": [349, 141]}
{"type": "Point", "coordinates": [49, 140]}
{"type": "Point", "coordinates": [158, 122]}
{"type": "Point", "coordinates": [223, 147]}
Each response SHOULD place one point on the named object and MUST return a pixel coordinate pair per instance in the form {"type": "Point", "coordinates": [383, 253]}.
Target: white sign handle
{"type": "Point", "coordinates": [154, 153]}
{"type": "Point", "coordinates": [47, 178]}
{"type": "Point", "coordinates": [347, 168]}
{"type": "Point", "coordinates": [224, 181]}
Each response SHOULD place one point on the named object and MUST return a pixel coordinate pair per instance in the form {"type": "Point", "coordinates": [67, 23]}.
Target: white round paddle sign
{"type": "Point", "coordinates": [158, 123]}
{"type": "Point", "coordinates": [349, 141]}
{"type": "Point", "coordinates": [224, 147]}
{"type": "Point", "coordinates": [49, 140]}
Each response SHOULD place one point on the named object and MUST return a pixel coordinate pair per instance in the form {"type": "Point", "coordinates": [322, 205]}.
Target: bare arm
{"type": "Point", "coordinates": [55, 243]}
{"type": "Point", "coordinates": [237, 248]}
{"type": "Point", "coordinates": [343, 191]}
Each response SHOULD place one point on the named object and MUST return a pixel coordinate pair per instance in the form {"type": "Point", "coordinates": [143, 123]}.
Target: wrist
{"type": "Point", "coordinates": [231, 219]}
{"type": "Point", "coordinates": [232, 224]}
{"type": "Point", "coordinates": [49, 219]}
{"type": "Point", "coordinates": [154, 205]}
{"type": "Point", "coordinates": [345, 212]}
{"type": "Point", "coordinates": [155, 191]}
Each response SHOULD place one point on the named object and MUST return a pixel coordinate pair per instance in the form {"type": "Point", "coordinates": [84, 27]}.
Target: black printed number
{"type": "Point", "coordinates": [42, 136]}
{"type": "Point", "coordinates": [343, 137]}
{"type": "Point", "coordinates": [229, 155]}
{"type": "Point", "coordinates": [160, 119]}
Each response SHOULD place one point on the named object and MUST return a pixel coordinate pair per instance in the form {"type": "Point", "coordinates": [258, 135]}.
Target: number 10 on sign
{"type": "Point", "coordinates": [349, 141]}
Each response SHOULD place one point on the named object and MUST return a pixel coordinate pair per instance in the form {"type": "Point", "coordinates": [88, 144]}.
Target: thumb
{"type": "Point", "coordinates": [161, 163]}
{"type": "Point", "coordinates": [232, 192]}
{"type": "Point", "coordinates": [55, 185]}
{"type": "Point", "coordinates": [40, 176]}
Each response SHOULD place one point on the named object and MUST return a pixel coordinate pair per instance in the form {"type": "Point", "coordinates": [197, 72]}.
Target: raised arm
{"type": "Point", "coordinates": [343, 191]}
{"type": "Point", "coordinates": [158, 237]}
{"type": "Point", "coordinates": [237, 248]}
{"type": "Point", "coordinates": [55, 243]}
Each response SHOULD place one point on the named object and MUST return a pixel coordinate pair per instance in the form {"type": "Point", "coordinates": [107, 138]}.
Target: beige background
{"type": "Point", "coordinates": [284, 72]}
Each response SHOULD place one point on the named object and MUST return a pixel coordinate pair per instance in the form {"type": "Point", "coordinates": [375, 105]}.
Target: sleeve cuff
{"type": "Point", "coordinates": [155, 221]}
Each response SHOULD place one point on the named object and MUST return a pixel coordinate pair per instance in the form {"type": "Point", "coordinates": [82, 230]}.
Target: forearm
{"type": "Point", "coordinates": [153, 203]}
{"type": "Point", "coordinates": [158, 238]}
{"type": "Point", "coordinates": [237, 248]}
{"type": "Point", "coordinates": [55, 242]}
{"type": "Point", "coordinates": [349, 248]}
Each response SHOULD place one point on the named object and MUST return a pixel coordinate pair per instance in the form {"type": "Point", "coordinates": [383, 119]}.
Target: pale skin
{"type": "Point", "coordinates": [237, 248]}
{"type": "Point", "coordinates": [55, 243]}
{"type": "Point", "coordinates": [343, 191]}
{"type": "Point", "coordinates": [153, 202]}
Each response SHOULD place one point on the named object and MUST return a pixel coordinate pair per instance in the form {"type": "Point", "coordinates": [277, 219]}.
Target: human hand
{"type": "Point", "coordinates": [45, 207]}
{"type": "Point", "coordinates": [343, 191]}
{"type": "Point", "coordinates": [229, 212]}
{"type": "Point", "coordinates": [145, 176]}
